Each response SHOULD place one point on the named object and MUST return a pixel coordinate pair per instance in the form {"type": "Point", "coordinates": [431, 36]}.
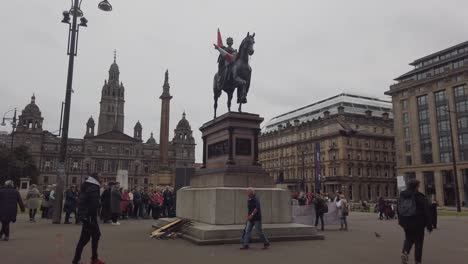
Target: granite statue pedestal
{"type": "Point", "coordinates": [217, 197]}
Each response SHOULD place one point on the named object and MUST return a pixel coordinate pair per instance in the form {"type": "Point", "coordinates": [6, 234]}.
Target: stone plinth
{"type": "Point", "coordinates": [217, 197]}
{"type": "Point", "coordinates": [228, 206]}
{"type": "Point", "coordinates": [205, 234]}
{"type": "Point", "coordinates": [231, 139]}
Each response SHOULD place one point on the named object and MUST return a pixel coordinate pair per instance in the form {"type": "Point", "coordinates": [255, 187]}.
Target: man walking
{"type": "Point", "coordinates": [413, 216]}
{"type": "Point", "coordinates": [254, 218]}
{"type": "Point", "coordinates": [320, 208]}
{"type": "Point", "coordinates": [10, 199]}
{"type": "Point", "coordinates": [88, 207]}
{"type": "Point", "coordinates": [71, 196]}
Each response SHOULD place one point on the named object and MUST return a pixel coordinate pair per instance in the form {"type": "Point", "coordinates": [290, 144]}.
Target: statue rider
{"type": "Point", "coordinates": [223, 64]}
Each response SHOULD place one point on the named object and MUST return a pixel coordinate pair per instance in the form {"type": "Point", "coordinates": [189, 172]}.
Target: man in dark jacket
{"type": "Point", "coordinates": [254, 218]}
{"type": "Point", "coordinates": [106, 213]}
{"type": "Point", "coordinates": [137, 202]}
{"type": "Point", "coordinates": [167, 200]}
{"type": "Point", "coordinates": [9, 201]}
{"type": "Point", "coordinates": [71, 197]}
{"type": "Point", "coordinates": [88, 207]}
{"type": "Point", "coordinates": [414, 217]}
{"type": "Point", "coordinates": [319, 205]}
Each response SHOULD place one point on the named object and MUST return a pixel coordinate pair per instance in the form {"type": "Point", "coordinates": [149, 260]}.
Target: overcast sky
{"type": "Point", "coordinates": [305, 50]}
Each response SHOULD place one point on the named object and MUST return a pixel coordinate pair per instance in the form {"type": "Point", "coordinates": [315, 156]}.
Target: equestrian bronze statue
{"type": "Point", "coordinates": [234, 72]}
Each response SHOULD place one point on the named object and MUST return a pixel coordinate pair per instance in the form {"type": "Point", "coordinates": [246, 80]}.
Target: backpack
{"type": "Point", "coordinates": [324, 206]}
{"type": "Point", "coordinates": [407, 206]}
{"type": "Point", "coordinates": [345, 209]}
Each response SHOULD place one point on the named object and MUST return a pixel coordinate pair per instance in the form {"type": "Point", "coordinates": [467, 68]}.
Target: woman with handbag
{"type": "Point", "coordinates": [343, 212]}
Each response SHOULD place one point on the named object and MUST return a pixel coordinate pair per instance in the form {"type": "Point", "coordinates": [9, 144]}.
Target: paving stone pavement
{"type": "Point", "coordinates": [45, 243]}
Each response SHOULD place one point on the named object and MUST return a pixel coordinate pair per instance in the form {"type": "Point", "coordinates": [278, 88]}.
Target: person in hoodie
{"type": "Point", "coordinates": [413, 217]}
{"type": "Point", "coordinates": [10, 199]}
{"type": "Point", "coordinates": [88, 207]}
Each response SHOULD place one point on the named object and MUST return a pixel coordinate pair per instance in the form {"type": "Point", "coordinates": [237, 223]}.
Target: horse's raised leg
{"type": "Point", "coordinates": [229, 100]}
{"type": "Point", "coordinates": [215, 105]}
{"type": "Point", "coordinates": [216, 93]}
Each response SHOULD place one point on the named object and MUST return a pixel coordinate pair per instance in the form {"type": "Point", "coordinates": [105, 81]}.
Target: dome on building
{"type": "Point", "coordinates": [183, 123]}
{"type": "Point", "coordinates": [32, 109]}
{"type": "Point", "coordinates": [151, 140]}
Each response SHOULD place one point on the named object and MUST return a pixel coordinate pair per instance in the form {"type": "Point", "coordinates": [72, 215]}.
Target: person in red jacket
{"type": "Point", "coordinates": [157, 203]}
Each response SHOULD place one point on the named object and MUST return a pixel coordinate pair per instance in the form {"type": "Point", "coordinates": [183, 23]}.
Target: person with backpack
{"type": "Point", "coordinates": [413, 217]}
{"type": "Point", "coordinates": [320, 209]}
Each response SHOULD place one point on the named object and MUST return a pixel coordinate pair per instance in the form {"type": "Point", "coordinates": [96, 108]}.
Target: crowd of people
{"type": "Point", "coordinates": [110, 202]}
{"type": "Point", "coordinates": [320, 202]}
{"type": "Point", "coordinates": [118, 203]}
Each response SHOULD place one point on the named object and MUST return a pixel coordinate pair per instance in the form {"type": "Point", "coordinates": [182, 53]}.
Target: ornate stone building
{"type": "Point", "coordinates": [355, 134]}
{"type": "Point", "coordinates": [422, 99]}
{"type": "Point", "coordinates": [110, 149]}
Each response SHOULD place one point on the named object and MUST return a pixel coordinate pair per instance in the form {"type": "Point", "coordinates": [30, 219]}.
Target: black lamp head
{"type": "Point", "coordinates": [105, 6]}
{"type": "Point", "coordinates": [66, 17]}
{"type": "Point", "coordinates": [84, 22]}
{"type": "Point", "coordinates": [77, 12]}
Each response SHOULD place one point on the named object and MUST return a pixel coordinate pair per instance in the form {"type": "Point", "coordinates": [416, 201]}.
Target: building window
{"type": "Point", "coordinates": [407, 146]}
{"type": "Point", "coordinates": [334, 171]}
{"type": "Point", "coordinates": [73, 180]}
{"type": "Point", "coordinates": [359, 156]}
{"type": "Point", "coordinates": [47, 165]}
{"type": "Point", "coordinates": [424, 128]}
{"type": "Point", "coordinates": [46, 179]}
{"type": "Point", "coordinates": [422, 101]}
{"type": "Point", "coordinates": [145, 181]}
{"type": "Point", "coordinates": [350, 171]}
{"type": "Point", "coordinates": [445, 157]}
{"type": "Point", "coordinates": [406, 132]}
{"type": "Point", "coordinates": [359, 171]}
{"type": "Point", "coordinates": [405, 118]}
{"type": "Point", "coordinates": [461, 99]}
{"type": "Point", "coordinates": [409, 161]}
{"type": "Point", "coordinates": [404, 104]}
{"type": "Point", "coordinates": [349, 155]}
{"type": "Point", "coordinates": [100, 149]}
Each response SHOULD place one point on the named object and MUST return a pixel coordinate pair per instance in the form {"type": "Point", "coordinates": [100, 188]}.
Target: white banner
{"type": "Point", "coordinates": [122, 178]}
{"type": "Point", "coordinates": [305, 214]}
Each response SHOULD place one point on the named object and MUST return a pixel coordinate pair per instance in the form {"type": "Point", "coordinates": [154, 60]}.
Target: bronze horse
{"type": "Point", "coordinates": [238, 75]}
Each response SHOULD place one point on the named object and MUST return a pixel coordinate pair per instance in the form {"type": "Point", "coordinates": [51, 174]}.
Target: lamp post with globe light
{"type": "Point", "coordinates": [73, 30]}
{"type": "Point", "coordinates": [13, 124]}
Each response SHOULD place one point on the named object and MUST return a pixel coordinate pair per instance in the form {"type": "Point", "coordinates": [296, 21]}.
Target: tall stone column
{"type": "Point", "coordinates": [164, 126]}
{"type": "Point", "coordinates": [439, 188]}
{"type": "Point", "coordinates": [421, 179]}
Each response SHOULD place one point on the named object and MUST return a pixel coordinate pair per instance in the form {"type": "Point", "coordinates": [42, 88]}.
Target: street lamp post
{"type": "Point", "coordinates": [13, 125]}
{"type": "Point", "coordinates": [73, 31]}
{"type": "Point", "coordinates": [454, 161]}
